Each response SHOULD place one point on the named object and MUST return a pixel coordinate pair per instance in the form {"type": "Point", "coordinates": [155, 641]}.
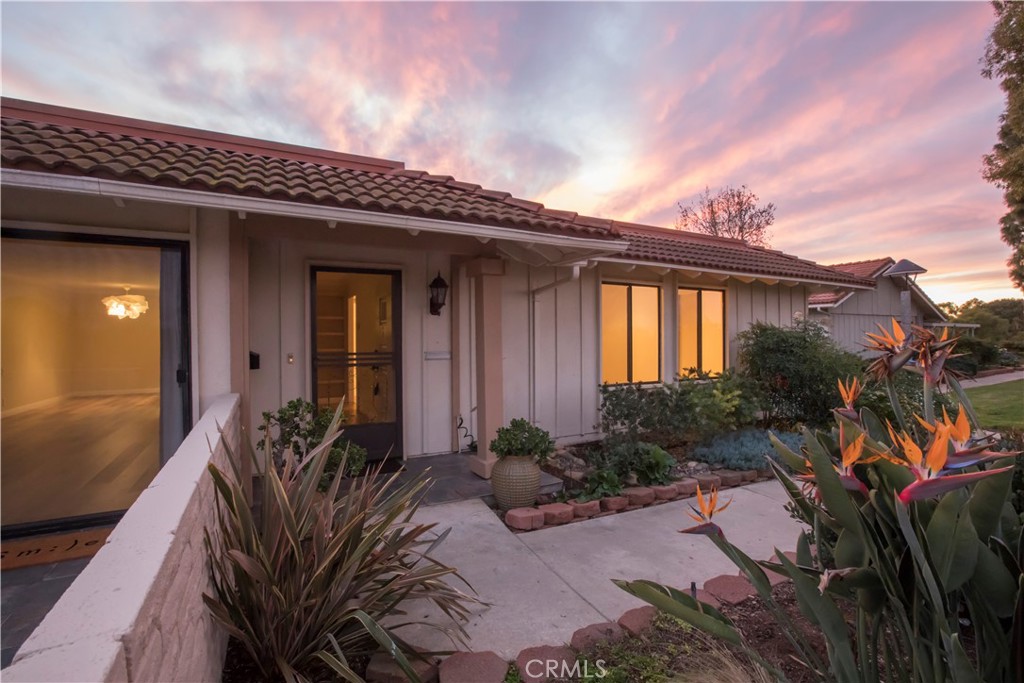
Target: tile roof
{"type": "Point", "coordinates": [123, 149]}
{"type": "Point", "coordinates": [678, 247]}
{"type": "Point", "coordinates": [45, 138]}
{"type": "Point", "coordinates": [869, 270]}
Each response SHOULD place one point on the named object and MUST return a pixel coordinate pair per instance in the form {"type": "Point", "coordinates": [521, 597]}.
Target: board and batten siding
{"type": "Point", "coordinates": [747, 304]}
{"type": "Point", "coordinates": [863, 312]}
{"type": "Point", "coordinates": [551, 341]}
{"type": "Point", "coordinates": [279, 288]}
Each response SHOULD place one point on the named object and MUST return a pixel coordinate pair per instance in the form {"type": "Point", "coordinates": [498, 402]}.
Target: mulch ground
{"type": "Point", "coordinates": [672, 648]}
{"type": "Point", "coordinates": [239, 668]}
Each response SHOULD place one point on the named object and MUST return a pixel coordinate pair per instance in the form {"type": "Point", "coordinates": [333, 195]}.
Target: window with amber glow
{"type": "Point", "coordinates": [701, 330]}
{"type": "Point", "coordinates": [630, 333]}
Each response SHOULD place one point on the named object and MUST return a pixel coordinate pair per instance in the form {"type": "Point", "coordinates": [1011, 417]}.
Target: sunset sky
{"type": "Point", "coordinates": [864, 123]}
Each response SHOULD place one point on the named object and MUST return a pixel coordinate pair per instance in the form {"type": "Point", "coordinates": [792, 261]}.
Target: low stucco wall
{"type": "Point", "coordinates": [136, 612]}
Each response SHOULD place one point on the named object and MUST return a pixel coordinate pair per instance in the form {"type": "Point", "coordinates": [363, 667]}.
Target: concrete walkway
{"type": "Point", "coordinates": [543, 585]}
{"type": "Point", "coordinates": [993, 379]}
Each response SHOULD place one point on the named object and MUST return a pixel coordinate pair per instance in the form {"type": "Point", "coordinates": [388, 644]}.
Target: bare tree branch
{"type": "Point", "coordinates": [730, 212]}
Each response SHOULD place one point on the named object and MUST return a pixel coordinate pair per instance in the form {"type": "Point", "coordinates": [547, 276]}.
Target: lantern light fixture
{"type": "Point", "coordinates": [438, 294]}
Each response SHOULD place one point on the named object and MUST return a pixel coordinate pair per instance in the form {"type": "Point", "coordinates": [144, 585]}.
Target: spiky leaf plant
{"type": "Point", "coordinates": [907, 528]}
{"type": "Point", "coordinates": [317, 578]}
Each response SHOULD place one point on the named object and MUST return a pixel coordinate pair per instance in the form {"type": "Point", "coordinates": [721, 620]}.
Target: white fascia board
{"type": "Point", "coordinates": [730, 273]}
{"type": "Point", "coordinates": [35, 180]}
{"type": "Point", "coordinates": [928, 301]}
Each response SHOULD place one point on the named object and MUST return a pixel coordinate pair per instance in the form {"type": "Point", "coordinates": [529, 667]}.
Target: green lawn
{"type": "Point", "coordinates": [999, 405]}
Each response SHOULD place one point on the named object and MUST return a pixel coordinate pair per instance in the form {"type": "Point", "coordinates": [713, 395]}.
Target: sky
{"type": "Point", "coordinates": [864, 123]}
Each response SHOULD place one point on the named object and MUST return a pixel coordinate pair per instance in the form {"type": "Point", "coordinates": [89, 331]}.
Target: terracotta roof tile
{"type": "Point", "coordinates": [41, 146]}
{"type": "Point", "coordinates": [867, 270]}
{"type": "Point", "coordinates": [698, 251]}
{"type": "Point", "coordinates": [52, 139]}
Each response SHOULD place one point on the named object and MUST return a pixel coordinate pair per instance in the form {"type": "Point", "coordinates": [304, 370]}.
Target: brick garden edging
{"type": "Point", "coordinates": [488, 667]}
{"type": "Point", "coordinates": [521, 520]}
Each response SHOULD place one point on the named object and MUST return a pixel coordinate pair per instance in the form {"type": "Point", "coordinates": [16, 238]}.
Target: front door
{"type": "Point", "coordinates": [356, 354]}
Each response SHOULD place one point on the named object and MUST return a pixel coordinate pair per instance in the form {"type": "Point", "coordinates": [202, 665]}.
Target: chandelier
{"type": "Point", "coordinates": [126, 305]}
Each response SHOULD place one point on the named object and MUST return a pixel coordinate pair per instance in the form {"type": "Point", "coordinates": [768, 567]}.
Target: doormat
{"type": "Point", "coordinates": [27, 552]}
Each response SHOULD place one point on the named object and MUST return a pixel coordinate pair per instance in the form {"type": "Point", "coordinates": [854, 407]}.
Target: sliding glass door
{"type": "Point", "coordinates": [95, 363]}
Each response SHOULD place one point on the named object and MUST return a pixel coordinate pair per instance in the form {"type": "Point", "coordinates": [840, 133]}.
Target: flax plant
{"type": "Point", "coordinates": [317, 578]}
{"type": "Point", "coordinates": [910, 561]}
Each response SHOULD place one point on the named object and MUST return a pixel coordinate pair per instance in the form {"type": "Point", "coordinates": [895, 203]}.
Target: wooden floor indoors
{"type": "Point", "coordinates": [83, 456]}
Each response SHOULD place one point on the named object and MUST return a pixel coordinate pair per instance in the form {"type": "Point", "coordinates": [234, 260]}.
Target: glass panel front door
{"type": "Point", "coordinates": [95, 375]}
{"type": "Point", "coordinates": [356, 321]}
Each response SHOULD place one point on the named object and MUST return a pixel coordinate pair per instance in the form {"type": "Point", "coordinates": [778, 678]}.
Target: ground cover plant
{"type": "Point", "coordinates": [746, 449]}
{"type": "Point", "coordinates": [919, 578]}
{"type": "Point", "coordinates": [317, 580]}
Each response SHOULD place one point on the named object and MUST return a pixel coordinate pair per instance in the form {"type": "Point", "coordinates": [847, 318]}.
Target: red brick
{"type": "Point", "coordinates": [686, 487]}
{"type": "Point", "coordinates": [639, 495]}
{"type": "Point", "coordinates": [710, 599]}
{"type": "Point", "coordinates": [524, 519]}
{"type": "Point", "coordinates": [707, 481]}
{"type": "Point", "coordinates": [630, 508]}
{"type": "Point", "coordinates": [613, 503]}
{"type": "Point", "coordinates": [729, 589]}
{"type": "Point", "coordinates": [606, 513]}
{"type": "Point", "coordinates": [638, 619]}
{"type": "Point", "coordinates": [556, 513]}
{"type": "Point", "coordinates": [729, 477]}
{"type": "Point", "coordinates": [588, 509]}
{"type": "Point", "coordinates": [536, 660]}
{"type": "Point", "coordinates": [384, 669]}
{"type": "Point", "coordinates": [590, 636]}
{"type": "Point", "coordinates": [665, 492]}
{"type": "Point", "coordinates": [749, 475]}
{"type": "Point", "coordinates": [773, 578]}
{"type": "Point", "coordinates": [473, 667]}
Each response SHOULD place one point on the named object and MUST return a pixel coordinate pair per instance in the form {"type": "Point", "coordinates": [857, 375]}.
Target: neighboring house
{"type": "Point", "coordinates": [848, 314]}
{"type": "Point", "coordinates": [275, 271]}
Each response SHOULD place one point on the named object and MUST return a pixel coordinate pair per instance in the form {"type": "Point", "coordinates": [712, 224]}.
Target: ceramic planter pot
{"type": "Point", "coordinates": [516, 481]}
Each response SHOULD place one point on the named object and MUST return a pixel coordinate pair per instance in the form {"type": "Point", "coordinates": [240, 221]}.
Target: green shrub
{"type": "Point", "coordinates": [308, 583]}
{"type": "Point", "coordinates": [978, 353]}
{"type": "Point", "coordinates": [795, 370]}
{"type": "Point", "coordinates": [298, 425]}
{"type": "Point", "coordinates": [747, 449]}
{"type": "Point", "coordinates": [687, 410]}
{"type": "Point", "coordinates": [522, 438]}
{"type": "Point", "coordinates": [617, 454]}
{"type": "Point", "coordinates": [653, 466]}
{"type": "Point", "coordinates": [600, 484]}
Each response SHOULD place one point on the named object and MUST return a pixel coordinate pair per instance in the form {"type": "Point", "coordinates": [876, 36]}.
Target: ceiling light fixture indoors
{"type": "Point", "coordinates": [126, 305]}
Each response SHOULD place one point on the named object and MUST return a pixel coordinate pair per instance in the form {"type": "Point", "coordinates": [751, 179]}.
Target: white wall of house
{"type": "Point", "coordinates": [552, 348]}
{"type": "Point", "coordinates": [864, 311]}
{"type": "Point", "coordinates": [279, 314]}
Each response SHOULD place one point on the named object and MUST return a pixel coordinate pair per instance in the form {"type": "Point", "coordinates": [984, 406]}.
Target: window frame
{"type": "Point", "coordinates": [629, 331]}
{"type": "Point", "coordinates": [700, 326]}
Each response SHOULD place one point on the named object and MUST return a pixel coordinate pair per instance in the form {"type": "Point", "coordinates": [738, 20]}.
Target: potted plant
{"type": "Point", "coordinates": [521, 448]}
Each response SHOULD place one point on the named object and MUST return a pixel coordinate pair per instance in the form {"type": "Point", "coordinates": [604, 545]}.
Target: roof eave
{"type": "Point", "coordinates": [730, 273]}
{"type": "Point", "coordinates": [36, 180]}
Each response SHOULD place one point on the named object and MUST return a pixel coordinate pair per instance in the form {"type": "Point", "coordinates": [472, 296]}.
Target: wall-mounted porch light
{"type": "Point", "coordinates": [438, 294]}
